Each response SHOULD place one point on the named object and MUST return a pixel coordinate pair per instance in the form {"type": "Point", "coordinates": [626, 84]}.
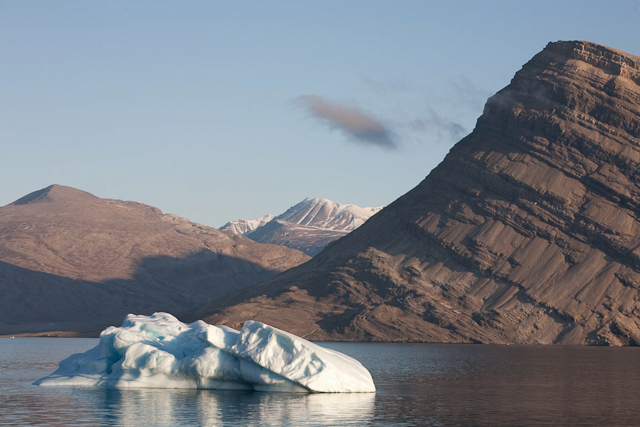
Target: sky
{"type": "Point", "coordinates": [217, 111]}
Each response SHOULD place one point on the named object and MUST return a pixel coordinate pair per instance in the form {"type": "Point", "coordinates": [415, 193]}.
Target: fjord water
{"type": "Point", "coordinates": [418, 384]}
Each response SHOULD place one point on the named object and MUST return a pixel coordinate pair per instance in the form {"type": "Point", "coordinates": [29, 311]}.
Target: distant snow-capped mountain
{"type": "Point", "coordinates": [246, 226]}
{"type": "Point", "coordinates": [328, 215]}
{"type": "Point", "coordinates": [308, 226]}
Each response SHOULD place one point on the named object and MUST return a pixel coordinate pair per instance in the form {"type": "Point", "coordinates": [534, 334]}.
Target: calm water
{"type": "Point", "coordinates": [418, 384]}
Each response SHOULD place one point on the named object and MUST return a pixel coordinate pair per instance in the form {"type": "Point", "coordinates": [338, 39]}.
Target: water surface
{"type": "Point", "coordinates": [418, 384]}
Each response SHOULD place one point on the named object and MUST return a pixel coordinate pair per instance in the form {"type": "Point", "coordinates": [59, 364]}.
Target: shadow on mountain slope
{"type": "Point", "coordinates": [33, 302]}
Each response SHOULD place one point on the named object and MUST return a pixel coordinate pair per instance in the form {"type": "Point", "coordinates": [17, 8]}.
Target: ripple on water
{"type": "Point", "coordinates": [418, 384]}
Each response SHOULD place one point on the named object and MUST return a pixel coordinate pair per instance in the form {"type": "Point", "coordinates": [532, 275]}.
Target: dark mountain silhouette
{"type": "Point", "coordinates": [527, 232]}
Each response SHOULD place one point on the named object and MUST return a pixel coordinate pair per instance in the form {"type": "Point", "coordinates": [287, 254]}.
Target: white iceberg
{"type": "Point", "coordinates": [159, 351]}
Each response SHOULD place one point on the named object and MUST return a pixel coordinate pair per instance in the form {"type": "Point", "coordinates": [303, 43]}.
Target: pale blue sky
{"type": "Point", "coordinates": [195, 106]}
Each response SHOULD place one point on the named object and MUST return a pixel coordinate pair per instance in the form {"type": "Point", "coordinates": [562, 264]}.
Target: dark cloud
{"type": "Point", "coordinates": [412, 111]}
{"type": "Point", "coordinates": [353, 122]}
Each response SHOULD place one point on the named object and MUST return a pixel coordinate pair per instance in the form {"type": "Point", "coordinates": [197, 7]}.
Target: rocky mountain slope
{"type": "Point", "coordinates": [72, 261]}
{"type": "Point", "coordinates": [527, 232]}
{"type": "Point", "coordinates": [308, 226]}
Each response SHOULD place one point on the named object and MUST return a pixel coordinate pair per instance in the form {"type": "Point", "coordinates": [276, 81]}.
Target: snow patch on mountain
{"type": "Point", "coordinates": [308, 226]}
{"type": "Point", "coordinates": [313, 212]}
{"type": "Point", "coordinates": [328, 215]}
{"type": "Point", "coordinates": [246, 226]}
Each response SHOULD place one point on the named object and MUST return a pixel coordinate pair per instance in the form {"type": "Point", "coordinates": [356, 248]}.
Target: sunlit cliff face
{"type": "Point", "coordinates": [525, 233]}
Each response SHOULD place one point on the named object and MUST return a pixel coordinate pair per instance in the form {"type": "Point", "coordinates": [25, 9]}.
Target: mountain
{"type": "Point", "coordinates": [527, 232]}
{"type": "Point", "coordinates": [328, 215]}
{"type": "Point", "coordinates": [308, 226]}
{"type": "Point", "coordinates": [246, 226]}
{"type": "Point", "coordinates": [72, 261]}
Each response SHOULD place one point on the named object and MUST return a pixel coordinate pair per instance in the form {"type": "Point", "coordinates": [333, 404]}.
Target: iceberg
{"type": "Point", "coordinates": [159, 351]}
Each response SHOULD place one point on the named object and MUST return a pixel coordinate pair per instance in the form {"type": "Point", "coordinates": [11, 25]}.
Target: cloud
{"type": "Point", "coordinates": [457, 92]}
{"type": "Point", "coordinates": [444, 129]}
{"type": "Point", "coordinates": [413, 112]}
{"type": "Point", "coordinates": [466, 93]}
{"type": "Point", "coordinates": [357, 125]}
{"type": "Point", "coordinates": [429, 113]}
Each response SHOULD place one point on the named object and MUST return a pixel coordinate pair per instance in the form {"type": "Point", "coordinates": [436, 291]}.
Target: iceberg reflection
{"type": "Point", "coordinates": [239, 408]}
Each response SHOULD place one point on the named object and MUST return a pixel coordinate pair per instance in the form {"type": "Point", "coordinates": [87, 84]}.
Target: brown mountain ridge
{"type": "Point", "coordinates": [527, 232]}
{"type": "Point", "coordinates": [70, 261]}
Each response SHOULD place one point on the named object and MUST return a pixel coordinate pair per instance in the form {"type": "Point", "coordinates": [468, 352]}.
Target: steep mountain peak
{"type": "Point", "coordinates": [614, 61]}
{"type": "Point", "coordinates": [527, 232]}
{"type": "Point", "coordinates": [317, 200]}
{"type": "Point", "coordinates": [55, 193]}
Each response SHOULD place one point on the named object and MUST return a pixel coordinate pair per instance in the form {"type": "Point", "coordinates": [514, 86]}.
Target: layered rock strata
{"type": "Point", "coordinates": [527, 232]}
